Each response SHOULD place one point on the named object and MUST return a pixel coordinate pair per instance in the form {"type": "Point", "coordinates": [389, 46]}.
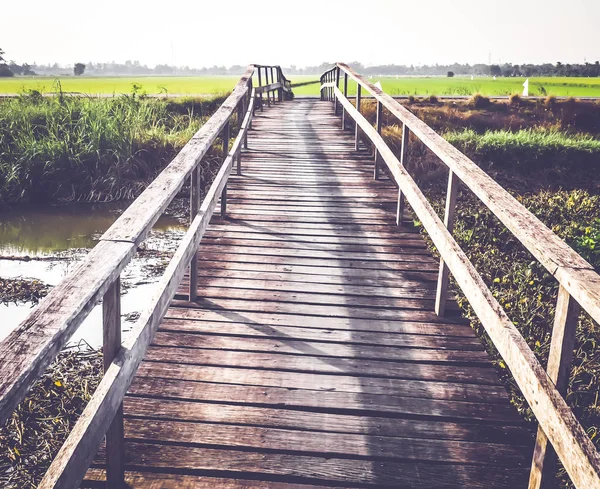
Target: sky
{"type": "Point", "coordinates": [201, 33]}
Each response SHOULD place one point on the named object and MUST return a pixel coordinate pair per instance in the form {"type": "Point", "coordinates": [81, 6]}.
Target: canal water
{"type": "Point", "coordinates": [47, 243]}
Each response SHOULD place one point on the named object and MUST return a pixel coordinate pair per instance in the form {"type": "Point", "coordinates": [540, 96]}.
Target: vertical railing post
{"type": "Point", "coordinates": [346, 96]}
{"type": "Point", "coordinates": [266, 84]}
{"type": "Point", "coordinates": [194, 206]}
{"type": "Point", "coordinates": [403, 149]}
{"type": "Point", "coordinates": [332, 90]}
{"type": "Point", "coordinates": [260, 85]}
{"type": "Point", "coordinates": [280, 81]}
{"type": "Point", "coordinates": [379, 122]}
{"type": "Point", "coordinates": [251, 108]}
{"type": "Point", "coordinates": [356, 128]}
{"type": "Point", "coordinates": [225, 153]}
{"type": "Point", "coordinates": [273, 81]}
{"type": "Point", "coordinates": [337, 85]}
{"type": "Point", "coordinates": [322, 89]}
{"type": "Point", "coordinates": [543, 466]}
{"type": "Point", "coordinates": [111, 332]}
{"type": "Point", "coordinates": [443, 276]}
{"type": "Point", "coordinates": [250, 101]}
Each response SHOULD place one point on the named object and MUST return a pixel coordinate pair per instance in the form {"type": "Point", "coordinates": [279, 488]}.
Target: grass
{"type": "Point", "coordinates": [308, 85]}
{"type": "Point", "coordinates": [64, 149]}
{"type": "Point", "coordinates": [196, 85]}
{"type": "Point", "coordinates": [530, 151]}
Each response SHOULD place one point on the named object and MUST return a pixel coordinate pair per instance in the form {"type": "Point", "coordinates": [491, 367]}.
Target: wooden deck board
{"type": "Point", "coordinates": [312, 357]}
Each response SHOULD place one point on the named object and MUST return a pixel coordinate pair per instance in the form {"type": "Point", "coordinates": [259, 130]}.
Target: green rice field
{"type": "Point", "coordinates": [306, 85]}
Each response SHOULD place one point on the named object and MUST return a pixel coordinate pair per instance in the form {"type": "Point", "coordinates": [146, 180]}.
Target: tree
{"type": "Point", "coordinates": [450, 74]}
{"type": "Point", "coordinates": [78, 69]}
{"type": "Point", "coordinates": [4, 69]}
{"type": "Point", "coordinates": [495, 70]}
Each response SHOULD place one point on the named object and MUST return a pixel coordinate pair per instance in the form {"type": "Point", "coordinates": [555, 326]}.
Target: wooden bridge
{"type": "Point", "coordinates": [312, 343]}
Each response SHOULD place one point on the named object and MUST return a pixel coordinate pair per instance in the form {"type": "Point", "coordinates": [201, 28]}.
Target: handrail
{"type": "Point", "coordinates": [543, 390]}
{"type": "Point", "coordinates": [28, 350]}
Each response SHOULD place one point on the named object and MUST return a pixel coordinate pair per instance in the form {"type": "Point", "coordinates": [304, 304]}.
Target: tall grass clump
{"type": "Point", "coordinates": [530, 150]}
{"type": "Point", "coordinates": [79, 148]}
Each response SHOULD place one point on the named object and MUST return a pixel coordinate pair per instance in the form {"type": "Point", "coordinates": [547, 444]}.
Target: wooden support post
{"type": "Point", "coordinates": [240, 114]}
{"type": "Point", "coordinates": [356, 128]}
{"type": "Point", "coordinates": [444, 274]}
{"type": "Point", "coordinates": [249, 126]}
{"type": "Point", "coordinates": [194, 206]}
{"type": "Point", "coordinates": [280, 80]}
{"type": "Point", "coordinates": [322, 90]}
{"type": "Point", "coordinates": [250, 101]}
{"type": "Point", "coordinates": [400, 207]}
{"type": "Point", "coordinates": [266, 83]}
{"type": "Point", "coordinates": [345, 95]}
{"type": "Point", "coordinates": [115, 437]}
{"type": "Point", "coordinates": [225, 153]}
{"type": "Point", "coordinates": [331, 88]}
{"type": "Point", "coordinates": [273, 81]}
{"type": "Point", "coordinates": [543, 466]}
{"type": "Point", "coordinates": [260, 85]}
{"type": "Point", "coordinates": [379, 121]}
{"type": "Point", "coordinates": [337, 84]}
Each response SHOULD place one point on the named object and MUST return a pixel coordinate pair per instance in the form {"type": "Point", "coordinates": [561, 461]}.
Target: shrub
{"type": "Point", "coordinates": [432, 99]}
{"type": "Point", "coordinates": [478, 101]}
{"type": "Point", "coordinates": [515, 99]}
{"type": "Point", "coordinates": [550, 101]}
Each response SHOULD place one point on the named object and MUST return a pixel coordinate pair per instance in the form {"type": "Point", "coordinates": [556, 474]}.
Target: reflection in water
{"type": "Point", "coordinates": [40, 231]}
{"type": "Point", "coordinates": [47, 231]}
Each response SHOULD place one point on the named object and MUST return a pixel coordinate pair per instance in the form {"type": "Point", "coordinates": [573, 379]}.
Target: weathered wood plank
{"type": "Point", "coordinates": [337, 402]}
{"type": "Point", "coordinates": [329, 365]}
{"type": "Point", "coordinates": [311, 382]}
{"type": "Point", "coordinates": [312, 469]}
{"type": "Point", "coordinates": [356, 446]}
{"type": "Point", "coordinates": [337, 423]}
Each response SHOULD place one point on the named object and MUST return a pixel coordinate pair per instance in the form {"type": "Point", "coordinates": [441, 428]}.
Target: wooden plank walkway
{"type": "Point", "coordinates": [313, 357]}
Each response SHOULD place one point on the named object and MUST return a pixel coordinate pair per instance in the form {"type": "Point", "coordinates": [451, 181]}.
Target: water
{"type": "Point", "coordinates": [46, 244]}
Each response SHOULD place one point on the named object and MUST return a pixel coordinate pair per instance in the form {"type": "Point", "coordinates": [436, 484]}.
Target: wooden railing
{"type": "Point", "coordinates": [579, 284]}
{"type": "Point", "coordinates": [27, 351]}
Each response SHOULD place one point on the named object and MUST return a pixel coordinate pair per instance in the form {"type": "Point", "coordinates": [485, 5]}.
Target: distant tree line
{"type": "Point", "coordinates": [506, 69]}
{"type": "Point", "coordinates": [136, 68]}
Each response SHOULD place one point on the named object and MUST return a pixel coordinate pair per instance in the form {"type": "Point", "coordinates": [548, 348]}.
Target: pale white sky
{"type": "Point", "coordinates": [306, 32]}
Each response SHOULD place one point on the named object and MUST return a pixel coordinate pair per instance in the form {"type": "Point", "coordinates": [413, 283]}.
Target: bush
{"type": "Point", "coordinates": [478, 101]}
{"type": "Point", "coordinates": [432, 99]}
{"type": "Point", "coordinates": [550, 101]}
{"type": "Point", "coordinates": [515, 99]}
